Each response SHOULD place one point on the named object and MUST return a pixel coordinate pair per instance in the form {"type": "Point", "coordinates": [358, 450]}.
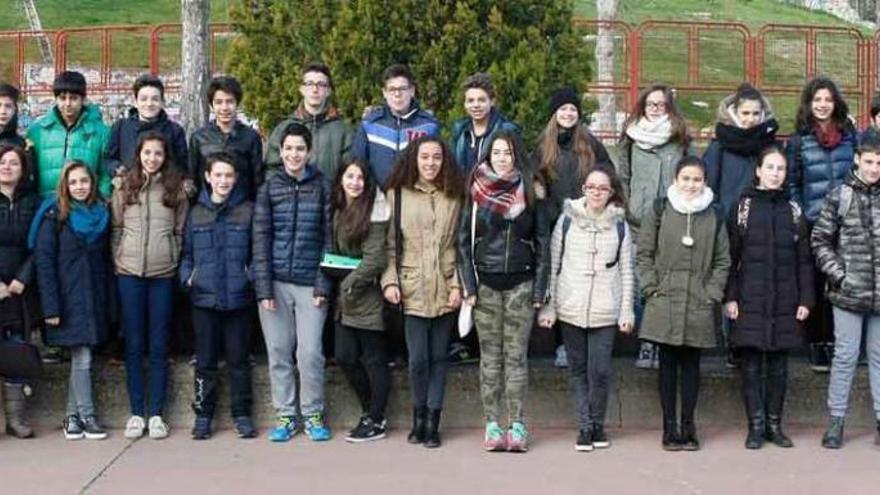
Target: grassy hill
{"type": "Point", "coordinates": [56, 14]}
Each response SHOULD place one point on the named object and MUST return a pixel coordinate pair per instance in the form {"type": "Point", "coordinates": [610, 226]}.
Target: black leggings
{"type": "Point", "coordinates": [673, 358]}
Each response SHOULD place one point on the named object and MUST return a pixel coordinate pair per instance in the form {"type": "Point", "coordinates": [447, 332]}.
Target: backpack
{"type": "Point", "coordinates": [621, 234]}
{"type": "Point", "coordinates": [744, 206]}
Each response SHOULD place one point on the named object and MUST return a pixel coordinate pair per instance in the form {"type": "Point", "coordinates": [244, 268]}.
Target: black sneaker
{"type": "Point", "coordinates": [600, 439]}
{"type": "Point", "coordinates": [201, 429]}
{"type": "Point", "coordinates": [244, 427]}
{"type": "Point", "coordinates": [461, 354]}
{"type": "Point", "coordinates": [92, 430]}
{"type": "Point", "coordinates": [73, 430]}
{"type": "Point", "coordinates": [367, 430]}
{"type": "Point", "coordinates": [584, 442]}
{"type": "Point", "coordinates": [820, 359]}
{"type": "Point", "coordinates": [52, 355]}
{"type": "Point", "coordinates": [733, 359]}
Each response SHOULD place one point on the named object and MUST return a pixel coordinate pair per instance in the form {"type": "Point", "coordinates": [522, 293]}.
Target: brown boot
{"type": "Point", "coordinates": [14, 406]}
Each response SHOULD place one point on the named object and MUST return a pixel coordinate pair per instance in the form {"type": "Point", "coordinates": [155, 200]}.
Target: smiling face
{"type": "Point", "coordinates": [501, 158]}
{"type": "Point", "coordinates": [690, 181]}
{"type": "Point", "coordinates": [294, 154]}
{"type": "Point", "coordinates": [70, 105]}
{"type": "Point", "coordinates": [868, 163]}
{"type": "Point", "coordinates": [478, 104]}
{"type": "Point", "coordinates": [655, 105]}
{"type": "Point", "coordinates": [148, 102]}
{"type": "Point", "coordinates": [79, 184]}
{"type": "Point", "coordinates": [398, 93]}
{"type": "Point", "coordinates": [429, 161]}
{"type": "Point", "coordinates": [353, 182]}
{"type": "Point", "coordinates": [771, 173]}
{"type": "Point", "coordinates": [221, 176]}
{"type": "Point", "coordinates": [749, 113]}
{"type": "Point", "coordinates": [822, 105]}
{"type": "Point", "coordinates": [597, 189]}
{"type": "Point", "coordinates": [225, 107]}
{"type": "Point", "coordinates": [152, 156]}
{"type": "Point", "coordinates": [10, 169]}
{"type": "Point", "coordinates": [7, 110]}
{"type": "Point", "coordinates": [567, 116]}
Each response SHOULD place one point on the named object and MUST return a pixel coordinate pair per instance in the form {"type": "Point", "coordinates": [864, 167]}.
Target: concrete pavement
{"type": "Point", "coordinates": [634, 464]}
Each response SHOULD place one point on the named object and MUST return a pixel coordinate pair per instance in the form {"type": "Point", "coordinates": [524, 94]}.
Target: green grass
{"type": "Point", "coordinates": [55, 14]}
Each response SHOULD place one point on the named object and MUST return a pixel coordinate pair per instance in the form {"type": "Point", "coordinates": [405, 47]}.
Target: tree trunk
{"type": "Point", "coordinates": [607, 11]}
{"type": "Point", "coordinates": [194, 105]}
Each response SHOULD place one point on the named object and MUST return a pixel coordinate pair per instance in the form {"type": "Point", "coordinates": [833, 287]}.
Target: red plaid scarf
{"type": "Point", "coordinates": [503, 197]}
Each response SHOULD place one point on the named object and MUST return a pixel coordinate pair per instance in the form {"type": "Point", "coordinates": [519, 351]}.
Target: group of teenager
{"type": "Point", "coordinates": [103, 225]}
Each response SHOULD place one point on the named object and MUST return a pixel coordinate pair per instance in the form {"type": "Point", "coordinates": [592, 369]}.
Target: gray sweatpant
{"type": "Point", "coordinates": [80, 401]}
{"type": "Point", "coordinates": [848, 336]}
{"type": "Point", "coordinates": [295, 325]}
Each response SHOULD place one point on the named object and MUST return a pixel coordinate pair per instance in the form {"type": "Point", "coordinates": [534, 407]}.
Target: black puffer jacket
{"type": "Point", "coordinates": [771, 270]}
{"type": "Point", "coordinates": [506, 247]}
{"type": "Point", "coordinates": [16, 262]}
{"type": "Point", "coordinates": [847, 246]}
{"type": "Point", "coordinates": [292, 231]}
{"type": "Point", "coordinates": [243, 143]}
{"type": "Point", "coordinates": [124, 137]}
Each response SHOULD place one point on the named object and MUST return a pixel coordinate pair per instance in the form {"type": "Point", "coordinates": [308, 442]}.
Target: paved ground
{"type": "Point", "coordinates": [634, 464]}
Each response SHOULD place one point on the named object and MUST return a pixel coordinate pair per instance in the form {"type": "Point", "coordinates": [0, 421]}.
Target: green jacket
{"type": "Point", "coordinates": [683, 286]}
{"type": "Point", "coordinates": [331, 140]}
{"type": "Point", "coordinates": [360, 299]}
{"type": "Point", "coordinates": [54, 145]}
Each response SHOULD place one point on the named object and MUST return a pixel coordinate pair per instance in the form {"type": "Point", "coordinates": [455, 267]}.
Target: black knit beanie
{"type": "Point", "coordinates": [562, 96]}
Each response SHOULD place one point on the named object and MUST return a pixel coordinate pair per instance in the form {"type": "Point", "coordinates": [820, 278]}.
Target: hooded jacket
{"type": "Point", "coordinates": [125, 133]}
{"type": "Point", "coordinates": [382, 136]}
{"type": "Point", "coordinates": [331, 139]}
{"type": "Point", "coordinates": [468, 147]}
{"type": "Point", "coordinates": [731, 157]}
{"type": "Point", "coordinates": [54, 145]}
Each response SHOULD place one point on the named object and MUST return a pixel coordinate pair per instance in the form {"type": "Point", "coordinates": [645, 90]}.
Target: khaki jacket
{"type": "Point", "coordinates": [427, 269]}
{"type": "Point", "coordinates": [147, 236]}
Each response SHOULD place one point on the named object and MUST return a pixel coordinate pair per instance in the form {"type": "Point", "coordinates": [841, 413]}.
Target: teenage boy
{"type": "Point", "coordinates": [331, 136]}
{"type": "Point", "coordinates": [846, 244]}
{"type": "Point", "coordinates": [147, 114]}
{"type": "Point", "coordinates": [471, 134]}
{"type": "Point", "coordinates": [71, 130]}
{"type": "Point", "coordinates": [214, 270]}
{"type": "Point", "coordinates": [227, 134]}
{"type": "Point", "coordinates": [386, 130]}
{"type": "Point", "coordinates": [291, 233]}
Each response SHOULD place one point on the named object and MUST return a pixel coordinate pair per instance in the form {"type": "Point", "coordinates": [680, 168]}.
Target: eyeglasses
{"type": "Point", "coordinates": [397, 89]}
{"type": "Point", "coordinates": [316, 84]}
{"type": "Point", "coordinates": [502, 153]}
{"type": "Point", "coordinates": [657, 105]}
{"type": "Point", "coordinates": [597, 189]}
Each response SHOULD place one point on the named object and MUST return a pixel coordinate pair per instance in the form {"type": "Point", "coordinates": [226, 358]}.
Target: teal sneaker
{"type": "Point", "coordinates": [285, 430]}
{"type": "Point", "coordinates": [494, 440]}
{"type": "Point", "coordinates": [517, 437]}
{"type": "Point", "coordinates": [316, 429]}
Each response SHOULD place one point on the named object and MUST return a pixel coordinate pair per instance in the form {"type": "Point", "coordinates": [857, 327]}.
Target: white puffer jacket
{"type": "Point", "coordinates": [586, 292]}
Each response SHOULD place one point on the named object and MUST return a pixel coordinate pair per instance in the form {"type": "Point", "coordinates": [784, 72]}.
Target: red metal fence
{"type": "Point", "coordinates": [703, 60]}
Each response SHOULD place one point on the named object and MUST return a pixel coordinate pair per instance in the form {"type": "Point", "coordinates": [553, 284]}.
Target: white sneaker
{"type": "Point", "coordinates": [158, 428]}
{"type": "Point", "coordinates": [561, 357]}
{"type": "Point", "coordinates": [134, 428]}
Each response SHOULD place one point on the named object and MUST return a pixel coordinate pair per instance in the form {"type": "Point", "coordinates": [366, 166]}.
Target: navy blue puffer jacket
{"type": "Point", "coordinates": [215, 267]}
{"type": "Point", "coordinates": [292, 231]}
{"type": "Point", "coordinates": [814, 170]}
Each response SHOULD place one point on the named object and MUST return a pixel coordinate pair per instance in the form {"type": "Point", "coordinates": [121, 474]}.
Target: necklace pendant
{"type": "Point", "coordinates": [687, 240]}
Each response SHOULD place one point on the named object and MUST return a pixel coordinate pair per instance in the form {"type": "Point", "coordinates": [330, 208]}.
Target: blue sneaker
{"type": "Point", "coordinates": [316, 429]}
{"type": "Point", "coordinates": [285, 430]}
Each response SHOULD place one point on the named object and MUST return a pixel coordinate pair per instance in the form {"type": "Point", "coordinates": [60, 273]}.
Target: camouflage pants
{"type": "Point", "coordinates": [504, 320]}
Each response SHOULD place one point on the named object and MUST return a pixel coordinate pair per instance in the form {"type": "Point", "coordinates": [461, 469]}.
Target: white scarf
{"type": "Point", "coordinates": [687, 206]}
{"type": "Point", "coordinates": [649, 134]}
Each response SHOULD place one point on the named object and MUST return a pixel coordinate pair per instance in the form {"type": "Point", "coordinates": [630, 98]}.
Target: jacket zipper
{"type": "Point", "coordinates": [146, 229]}
{"type": "Point", "coordinates": [507, 247]}
{"type": "Point", "coordinates": [592, 280]}
{"type": "Point", "coordinates": [293, 239]}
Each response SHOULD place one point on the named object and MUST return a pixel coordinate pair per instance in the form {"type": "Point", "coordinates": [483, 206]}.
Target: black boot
{"type": "Point", "coordinates": [877, 434]}
{"type": "Point", "coordinates": [753, 397]}
{"type": "Point", "coordinates": [689, 440]}
{"type": "Point", "coordinates": [432, 430]}
{"type": "Point", "coordinates": [671, 442]}
{"type": "Point", "coordinates": [833, 438]}
{"type": "Point", "coordinates": [417, 434]}
{"type": "Point", "coordinates": [777, 375]}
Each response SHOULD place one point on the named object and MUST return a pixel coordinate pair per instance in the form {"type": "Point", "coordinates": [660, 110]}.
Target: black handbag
{"type": "Point", "coordinates": [20, 360]}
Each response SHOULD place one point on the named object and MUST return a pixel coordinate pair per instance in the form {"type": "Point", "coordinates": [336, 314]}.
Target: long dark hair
{"type": "Point", "coordinates": [676, 118]}
{"type": "Point", "coordinates": [805, 119]}
{"type": "Point", "coordinates": [617, 195]}
{"type": "Point", "coordinates": [548, 150]}
{"type": "Point", "coordinates": [134, 177]}
{"type": "Point", "coordinates": [406, 170]}
{"type": "Point", "coordinates": [62, 191]}
{"type": "Point", "coordinates": [354, 218]}
{"type": "Point", "coordinates": [520, 161]}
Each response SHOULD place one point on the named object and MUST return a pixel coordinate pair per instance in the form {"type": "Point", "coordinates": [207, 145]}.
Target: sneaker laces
{"type": "Point", "coordinates": [315, 421]}
{"type": "Point", "coordinates": [493, 431]}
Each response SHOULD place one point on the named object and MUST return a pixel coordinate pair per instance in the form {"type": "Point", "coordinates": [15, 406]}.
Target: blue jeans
{"type": "Point", "coordinates": [146, 316]}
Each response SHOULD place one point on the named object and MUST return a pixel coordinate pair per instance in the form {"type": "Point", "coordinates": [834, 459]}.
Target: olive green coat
{"type": "Point", "coordinates": [683, 286]}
